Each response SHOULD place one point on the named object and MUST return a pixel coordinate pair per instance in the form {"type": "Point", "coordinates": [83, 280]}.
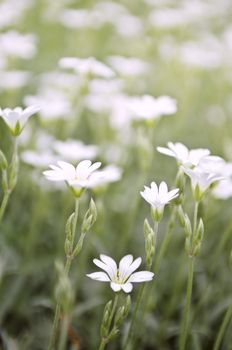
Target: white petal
{"type": "Point", "coordinates": [124, 264]}
{"type": "Point", "coordinates": [115, 286]}
{"type": "Point", "coordinates": [141, 276]}
{"type": "Point", "coordinates": [163, 189]}
{"type": "Point", "coordinates": [166, 151]}
{"type": "Point", "coordinates": [99, 276]}
{"type": "Point", "coordinates": [133, 267]}
{"type": "Point", "coordinates": [127, 287]}
{"type": "Point", "coordinates": [110, 263]}
{"type": "Point", "coordinates": [105, 267]}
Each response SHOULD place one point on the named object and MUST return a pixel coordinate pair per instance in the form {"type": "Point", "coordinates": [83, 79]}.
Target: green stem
{"type": "Point", "coordinates": [68, 263]}
{"type": "Point", "coordinates": [64, 331]}
{"type": "Point", "coordinates": [166, 240]}
{"type": "Point", "coordinates": [185, 323]}
{"type": "Point", "coordinates": [134, 317]}
{"type": "Point", "coordinates": [4, 204]}
{"type": "Point", "coordinates": [195, 219]}
{"type": "Point", "coordinates": [223, 327]}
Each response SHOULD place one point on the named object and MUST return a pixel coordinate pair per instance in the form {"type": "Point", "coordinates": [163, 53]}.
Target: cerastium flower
{"type": "Point", "coordinates": [158, 197]}
{"type": "Point", "coordinates": [77, 178]}
{"type": "Point", "coordinates": [17, 118]}
{"type": "Point", "coordinates": [120, 277]}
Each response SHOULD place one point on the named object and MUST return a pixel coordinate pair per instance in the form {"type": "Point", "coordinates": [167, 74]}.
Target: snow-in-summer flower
{"type": "Point", "coordinates": [201, 181]}
{"type": "Point", "coordinates": [158, 197]}
{"type": "Point", "coordinates": [73, 150]}
{"type": "Point", "coordinates": [184, 156]}
{"type": "Point", "coordinates": [110, 173]}
{"type": "Point", "coordinates": [128, 66]}
{"type": "Point", "coordinates": [149, 108]}
{"type": "Point", "coordinates": [122, 276]}
{"type": "Point", "coordinates": [87, 67]}
{"type": "Point", "coordinates": [223, 189]}
{"type": "Point", "coordinates": [14, 44]}
{"type": "Point", "coordinates": [77, 178]}
{"type": "Point", "coordinates": [17, 118]}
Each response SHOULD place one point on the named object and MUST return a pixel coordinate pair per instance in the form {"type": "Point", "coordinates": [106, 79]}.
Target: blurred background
{"type": "Point", "coordinates": [181, 49]}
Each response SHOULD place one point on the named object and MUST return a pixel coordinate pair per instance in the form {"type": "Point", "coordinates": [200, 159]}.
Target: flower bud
{"type": "Point", "coordinates": [187, 226]}
{"type": "Point", "coordinates": [90, 217]}
{"type": "Point", "coordinates": [157, 213]}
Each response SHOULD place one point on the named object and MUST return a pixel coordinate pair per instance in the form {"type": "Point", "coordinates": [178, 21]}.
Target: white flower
{"type": "Point", "coordinates": [110, 173]}
{"type": "Point", "coordinates": [201, 181]}
{"type": "Point", "coordinates": [147, 107]}
{"type": "Point", "coordinates": [14, 44]}
{"type": "Point", "coordinates": [158, 198]}
{"type": "Point", "coordinates": [184, 156]}
{"type": "Point", "coordinates": [120, 277]}
{"type": "Point", "coordinates": [77, 178]}
{"type": "Point", "coordinates": [16, 118]}
{"type": "Point", "coordinates": [128, 66]}
{"type": "Point", "coordinates": [75, 150]}
{"type": "Point", "coordinates": [87, 66]}
{"type": "Point", "coordinates": [223, 189]}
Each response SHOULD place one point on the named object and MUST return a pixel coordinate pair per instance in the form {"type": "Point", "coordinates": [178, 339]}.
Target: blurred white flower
{"type": "Point", "coordinates": [184, 156]}
{"type": "Point", "coordinates": [77, 178]}
{"type": "Point", "coordinates": [223, 189]}
{"type": "Point", "coordinates": [14, 79]}
{"type": "Point", "coordinates": [87, 67]}
{"type": "Point", "coordinates": [38, 159]}
{"type": "Point", "coordinates": [158, 197]}
{"type": "Point", "coordinates": [120, 277]}
{"type": "Point", "coordinates": [14, 44]}
{"type": "Point", "coordinates": [53, 104]}
{"type": "Point", "coordinates": [128, 66]}
{"type": "Point", "coordinates": [16, 118]}
{"type": "Point", "coordinates": [110, 173]}
{"type": "Point", "coordinates": [148, 107]}
{"type": "Point", "coordinates": [73, 150]}
{"type": "Point", "coordinates": [201, 181]}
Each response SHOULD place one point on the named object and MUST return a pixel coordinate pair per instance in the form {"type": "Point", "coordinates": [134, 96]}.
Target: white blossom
{"type": "Point", "coordinates": [14, 44]}
{"type": "Point", "coordinates": [201, 181]}
{"type": "Point", "coordinates": [158, 197]}
{"type": "Point", "coordinates": [77, 178]}
{"type": "Point", "coordinates": [184, 156]}
{"type": "Point", "coordinates": [16, 118]}
{"type": "Point", "coordinates": [110, 173]}
{"type": "Point", "coordinates": [87, 67]}
{"type": "Point", "coordinates": [73, 150]}
{"type": "Point", "coordinates": [122, 276]}
{"type": "Point", "coordinates": [147, 107]}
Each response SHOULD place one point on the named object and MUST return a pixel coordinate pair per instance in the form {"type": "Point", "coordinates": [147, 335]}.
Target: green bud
{"type": "Point", "coordinates": [147, 229]}
{"type": "Point", "coordinates": [127, 306]}
{"type": "Point", "coordinates": [79, 244]}
{"type": "Point", "coordinates": [3, 161]}
{"type": "Point", "coordinates": [90, 217]}
{"type": "Point", "coordinates": [197, 193]}
{"type": "Point", "coordinates": [5, 185]}
{"type": "Point", "coordinates": [200, 230]}
{"type": "Point", "coordinates": [119, 316]}
{"type": "Point", "coordinates": [181, 216]}
{"type": "Point", "coordinates": [187, 226]}
{"type": "Point", "coordinates": [68, 245]}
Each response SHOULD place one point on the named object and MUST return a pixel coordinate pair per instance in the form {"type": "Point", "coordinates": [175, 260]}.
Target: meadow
{"type": "Point", "coordinates": [97, 100]}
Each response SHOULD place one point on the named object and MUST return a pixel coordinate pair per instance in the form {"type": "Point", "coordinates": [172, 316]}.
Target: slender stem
{"type": "Point", "coordinates": [223, 327]}
{"type": "Point", "coordinates": [8, 190]}
{"type": "Point", "coordinates": [4, 204]}
{"type": "Point", "coordinates": [103, 344]}
{"type": "Point", "coordinates": [166, 241]}
{"type": "Point", "coordinates": [195, 219]}
{"type": "Point", "coordinates": [67, 269]}
{"type": "Point", "coordinates": [134, 317]}
{"type": "Point", "coordinates": [185, 323]}
{"type": "Point", "coordinates": [64, 331]}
